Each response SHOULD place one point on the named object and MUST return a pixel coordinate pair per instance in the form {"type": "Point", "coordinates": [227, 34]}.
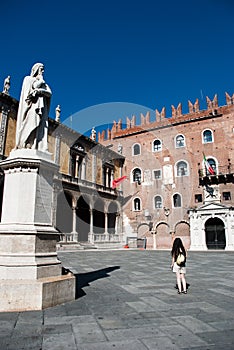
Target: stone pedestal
{"type": "Point", "coordinates": [30, 272]}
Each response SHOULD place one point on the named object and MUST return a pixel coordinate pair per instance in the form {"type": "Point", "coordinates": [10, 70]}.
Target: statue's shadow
{"type": "Point", "coordinates": [84, 279]}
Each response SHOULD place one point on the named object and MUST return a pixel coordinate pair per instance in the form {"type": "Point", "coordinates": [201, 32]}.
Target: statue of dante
{"type": "Point", "coordinates": [32, 118]}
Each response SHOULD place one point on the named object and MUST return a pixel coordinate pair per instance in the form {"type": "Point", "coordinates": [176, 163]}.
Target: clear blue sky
{"type": "Point", "coordinates": [147, 54]}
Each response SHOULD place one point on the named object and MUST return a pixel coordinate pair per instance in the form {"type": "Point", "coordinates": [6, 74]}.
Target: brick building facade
{"type": "Point", "coordinates": [179, 175]}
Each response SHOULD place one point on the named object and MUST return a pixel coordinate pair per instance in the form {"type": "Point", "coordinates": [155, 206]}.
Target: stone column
{"type": "Point", "coordinates": [57, 148]}
{"type": "Point", "coordinates": [112, 177]}
{"type": "Point", "coordinates": [94, 167]}
{"type": "Point", "coordinates": [154, 241]}
{"type": "Point", "coordinates": [106, 224]}
{"type": "Point", "coordinates": [83, 169]}
{"type": "Point", "coordinates": [117, 230]}
{"type": "Point", "coordinates": [74, 230]}
{"type": "Point", "coordinates": [107, 177]}
{"type": "Point", "coordinates": [91, 226]}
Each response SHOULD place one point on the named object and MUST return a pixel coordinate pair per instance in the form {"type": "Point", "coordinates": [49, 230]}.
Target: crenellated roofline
{"type": "Point", "coordinates": [161, 120]}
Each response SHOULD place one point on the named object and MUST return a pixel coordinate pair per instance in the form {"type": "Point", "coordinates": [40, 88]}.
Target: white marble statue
{"type": "Point", "coordinates": [120, 148]}
{"type": "Point", "coordinates": [32, 118]}
{"type": "Point", "coordinates": [93, 134]}
{"type": "Point", "coordinates": [57, 113]}
{"type": "Point", "coordinates": [7, 85]}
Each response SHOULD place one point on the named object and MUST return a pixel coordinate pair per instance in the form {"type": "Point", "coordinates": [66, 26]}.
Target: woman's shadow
{"type": "Point", "coordinates": [84, 279]}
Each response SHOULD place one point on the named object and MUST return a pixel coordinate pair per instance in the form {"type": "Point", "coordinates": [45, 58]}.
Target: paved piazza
{"type": "Point", "coordinates": [126, 299]}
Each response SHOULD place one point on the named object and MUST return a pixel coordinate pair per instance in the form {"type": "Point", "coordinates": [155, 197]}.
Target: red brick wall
{"type": "Point", "coordinates": [191, 126]}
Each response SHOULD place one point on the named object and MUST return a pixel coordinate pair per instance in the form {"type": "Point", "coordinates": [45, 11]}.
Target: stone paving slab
{"type": "Point", "coordinates": [126, 299]}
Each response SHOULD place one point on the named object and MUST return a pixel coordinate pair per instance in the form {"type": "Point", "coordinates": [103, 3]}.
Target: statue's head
{"type": "Point", "coordinates": [35, 69]}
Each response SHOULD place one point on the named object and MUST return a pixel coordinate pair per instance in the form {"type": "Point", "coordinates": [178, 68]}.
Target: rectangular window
{"type": "Point", "coordinates": [157, 174]}
{"type": "Point", "coordinates": [226, 196]}
{"type": "Point", "coordinates": [198, 198]}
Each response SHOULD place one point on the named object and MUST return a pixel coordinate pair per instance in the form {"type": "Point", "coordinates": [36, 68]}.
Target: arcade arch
{"type": "Point", "coordinates": [163, 236]}
{"type": "Point", "coordinates": [112, 215]}
{"type": "Point", "coordinates": [98, 217]}
{"type": "Point", "coordinates": [83, 218]}
{"type": "Point", "coordinates": [87, 219]}
{"type": "Point", "coordinates": [182, 230]}
{"type": "Point", "coordinates": [64, 212]}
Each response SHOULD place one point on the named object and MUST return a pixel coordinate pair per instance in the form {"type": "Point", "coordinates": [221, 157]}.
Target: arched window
{"type": "Point", "coordinates": [180, 141]}
{"type": "Point", "coordinates": [157, 202]}
{"type": "Point", "coordinates": [157, 146]}
{"type": "Point", "coordinates": [136, 149]}
{"type": "Point", "coordinates": [207, 136]}
{"type": "Point", "coordinates": [136, 204]}
{"type": "Point", "coordinates": [210, 166]}
{"type": "Point", "coordinates": [136, 175]}
{"type": "Point", "coordinates": [181, 168]}
{"type": "Point", "coordinates": [177, 200]}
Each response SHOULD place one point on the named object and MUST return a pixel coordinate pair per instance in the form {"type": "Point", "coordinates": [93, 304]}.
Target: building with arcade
{"type": "Point", "coordinates": [86, 209]}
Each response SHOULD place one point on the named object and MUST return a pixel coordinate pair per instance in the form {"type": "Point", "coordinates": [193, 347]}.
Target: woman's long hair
{"type": "Point", "coordinates": [177, 247]}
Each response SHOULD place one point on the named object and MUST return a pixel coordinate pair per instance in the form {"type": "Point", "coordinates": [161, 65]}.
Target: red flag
{"type": "Point", "coordinates": [116, 182]}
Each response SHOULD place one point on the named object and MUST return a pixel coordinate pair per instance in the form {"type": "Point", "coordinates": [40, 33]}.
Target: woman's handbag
{"type": "Point", "coordinates": [180, 259]}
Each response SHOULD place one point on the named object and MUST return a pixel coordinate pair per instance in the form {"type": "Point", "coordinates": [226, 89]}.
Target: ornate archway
{"type": "Point", "coordinates": [182, 230]}
{"type": "Point", "coordinates": [83, 219]}
{"type": "Point", "coordinates": [163, 236]}
{"type": "Point", "coordinates": [64, 212]}
{"type": "Point", "coordinates": [98, 217]}
{"type": "Point", "coordinates": [112, 213]}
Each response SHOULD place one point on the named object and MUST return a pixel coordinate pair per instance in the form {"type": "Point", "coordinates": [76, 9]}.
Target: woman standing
{"type": "Point", "coordinates": [178, 266]}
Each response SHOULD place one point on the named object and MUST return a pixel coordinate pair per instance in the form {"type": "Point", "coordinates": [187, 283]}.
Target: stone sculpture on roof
{"type": "Point", "coordinates": [7, 85]}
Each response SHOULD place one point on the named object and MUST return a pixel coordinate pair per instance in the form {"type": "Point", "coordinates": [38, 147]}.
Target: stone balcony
{"type": "Point", "coordinates": [77, 184]}
{"type": "Point", "coordinates": [224, 174]}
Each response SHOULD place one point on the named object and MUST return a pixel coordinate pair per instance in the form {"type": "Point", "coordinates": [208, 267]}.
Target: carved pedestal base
{"type": "Point", "coordinates": [30, 272]}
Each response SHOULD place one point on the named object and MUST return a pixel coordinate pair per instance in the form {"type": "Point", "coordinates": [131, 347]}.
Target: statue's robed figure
{"type": "Point", "coordinates": [32, 118]}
